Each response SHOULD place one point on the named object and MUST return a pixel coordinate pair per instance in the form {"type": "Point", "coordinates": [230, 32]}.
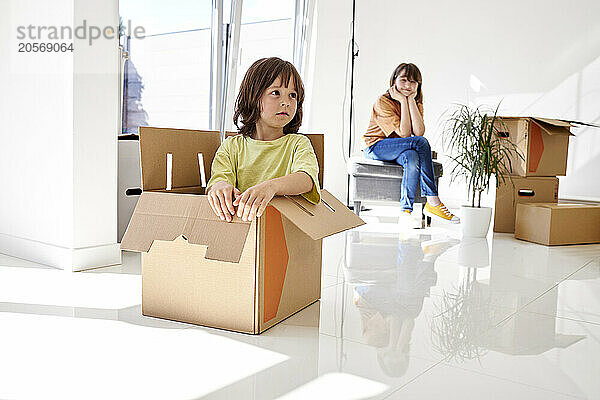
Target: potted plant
{"type": "Point", "coordinates": [477, 151]}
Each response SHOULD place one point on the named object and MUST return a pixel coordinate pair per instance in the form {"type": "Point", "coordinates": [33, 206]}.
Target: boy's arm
{"type": "Point", "coordinates": [292, 184]}
{"type": "Point", "coordinates": [304, 160]}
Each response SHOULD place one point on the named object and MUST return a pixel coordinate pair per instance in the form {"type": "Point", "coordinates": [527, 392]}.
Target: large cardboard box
{"type": "Point", "coordinates": [556, 224]}
{"type": "Point", "coordinates": [241, 276]}
{"type": "Point", "coordinates": [543, 143]}
{"type": "Point", "coordinates": [518, 190]}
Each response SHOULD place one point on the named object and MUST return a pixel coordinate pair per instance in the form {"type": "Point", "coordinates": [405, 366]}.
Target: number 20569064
{"type": "Point", "coordinates": [45, 47]}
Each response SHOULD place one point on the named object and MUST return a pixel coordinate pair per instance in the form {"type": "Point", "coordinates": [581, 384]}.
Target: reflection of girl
{"type": "Point", "coordinates": [388, 309]}
{"type": "Point", "coordinates": [395, 133]}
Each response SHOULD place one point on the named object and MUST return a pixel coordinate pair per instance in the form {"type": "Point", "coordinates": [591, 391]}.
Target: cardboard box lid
{"type": "Point", "coordinates": [327, 218]}
{"type": "Point", "coordinates": [166, 216]}
{"type": "Point", "coordinates": [553, 126]}
{"type": "Point", "coordinates": [318, 144]}
{"type": "Point", "coordinates": [184, 145]}
{"type": "Point", "coordinates": [550, 125]}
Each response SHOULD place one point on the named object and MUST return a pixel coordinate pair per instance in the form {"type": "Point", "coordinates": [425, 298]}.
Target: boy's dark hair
{"type": "Point", "coordinates": [412, 73]}
{"type": "Point", "coordinates": [258, 78]}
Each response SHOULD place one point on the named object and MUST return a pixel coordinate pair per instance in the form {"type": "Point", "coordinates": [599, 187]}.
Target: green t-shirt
{"type": "Point", "coordinates": [245, 162]}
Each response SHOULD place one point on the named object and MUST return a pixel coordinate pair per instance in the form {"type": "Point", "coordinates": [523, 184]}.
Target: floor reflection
{"type": "Point", "coordinates": [391, 275]}
{"type": "Point", "coordinates": [464, 314]}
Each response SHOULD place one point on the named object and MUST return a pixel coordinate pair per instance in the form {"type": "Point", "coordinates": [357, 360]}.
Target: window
{"type": "Point", "coordinates": [267, 30]}
{"type": "Point", "coordinates": [167, 75]}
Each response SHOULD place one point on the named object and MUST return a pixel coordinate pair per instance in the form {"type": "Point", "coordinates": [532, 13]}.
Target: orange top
{"type": "Point", "coordinates": [385, 119]}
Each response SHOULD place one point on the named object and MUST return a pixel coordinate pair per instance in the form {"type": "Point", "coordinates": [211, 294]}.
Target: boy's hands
{"type": "Point", "coordinates": [250, 204]}
{"type": "Point", "coordinates": [220, 198]}
{"type": "Point", "coordinates": [253, 201]}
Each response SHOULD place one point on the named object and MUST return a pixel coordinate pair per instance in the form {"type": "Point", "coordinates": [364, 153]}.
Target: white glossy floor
{"type": "Point", "coordinates": [405, 314]}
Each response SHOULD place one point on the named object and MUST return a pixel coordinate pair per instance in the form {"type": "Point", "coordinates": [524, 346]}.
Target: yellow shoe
{"type": "Point", "coordinates": [441, 213]}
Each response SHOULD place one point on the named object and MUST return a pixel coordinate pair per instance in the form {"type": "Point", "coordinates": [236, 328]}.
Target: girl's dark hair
{"type": "Point", "coordinates": [258, 78]}
{"type": "Point", "coordinates": [412, 73]}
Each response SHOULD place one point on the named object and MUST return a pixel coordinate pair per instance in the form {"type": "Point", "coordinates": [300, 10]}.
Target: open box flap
{"type": "Point", "coordinates": [184, 146]}
{"type": "Point", "coordinates": [328, 217]}
{"type": "Point", "coordinates": [549, 125]}
{"type": "Point", "coordinates": [166, 216]}
{"type": "Point", "coordinates": [578, 124]}
{"type": "Point", "coordinates": [552, 121]}
{"type": "Point", "coordinates": [553, 126]}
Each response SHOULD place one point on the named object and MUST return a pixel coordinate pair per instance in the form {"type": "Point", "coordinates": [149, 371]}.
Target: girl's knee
{"type": "Point", "coordinates": [409, 157]}
{"type": "Point", "coordinates": [422, 142]}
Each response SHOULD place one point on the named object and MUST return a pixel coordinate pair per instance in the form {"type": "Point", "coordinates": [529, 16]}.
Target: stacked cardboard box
{"type": "Point", "coordinates": [521, 190]}
{"type": "Point", "coordinates": [527, 203]}
{"type": "Point", "coordinates": [543, 143]}
{"type": "Point", "coordinates": [241, 276]}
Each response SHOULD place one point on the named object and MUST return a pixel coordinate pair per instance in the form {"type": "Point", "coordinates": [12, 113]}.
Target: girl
{"type": "Point", "coordinates": [268, 157]}
{"type": "Point", "coordinates": [395, 133]}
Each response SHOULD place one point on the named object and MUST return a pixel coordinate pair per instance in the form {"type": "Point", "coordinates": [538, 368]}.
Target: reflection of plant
{"type": "Point", "coordinates": [458, 327]}
{"type": "Point", "coordinates": [480, 151]}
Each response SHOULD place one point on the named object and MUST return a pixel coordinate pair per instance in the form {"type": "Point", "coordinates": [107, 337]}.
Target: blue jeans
{"type": "Point", "coordinates": [414, 154]}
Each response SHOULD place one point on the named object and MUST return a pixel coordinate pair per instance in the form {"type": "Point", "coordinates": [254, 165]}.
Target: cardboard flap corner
{"type": "Point", "coordinates": [327, 218]}
{"type": "Point", "coordinates": [225, 240]}
{"type": "Point", "coordinates": [167, 216]}
{"type": "Point", "coordinates": [553, 126]}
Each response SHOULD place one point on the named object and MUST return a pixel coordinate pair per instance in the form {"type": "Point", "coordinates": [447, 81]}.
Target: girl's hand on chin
{"type": "Point", "coordinates": [395, 93]}
{"type": "Point", "coordinates": [253, 201]}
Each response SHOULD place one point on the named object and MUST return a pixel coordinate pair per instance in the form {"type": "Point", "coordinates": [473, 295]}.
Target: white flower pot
{"type": "Point", "coordinates": [475, 221]}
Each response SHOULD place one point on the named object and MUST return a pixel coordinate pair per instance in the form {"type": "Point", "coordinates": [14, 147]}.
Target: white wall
{"type": "Point", "coordinates": [541, 58]}
{"type": "Point", "coordinates": [326, 91]}
{"type": "Point", "coordinates": [36, 115]}
{"type": "Point", "coordinates": [58, 149]}
{"type": "Point", "coordinates": [95, 128]}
